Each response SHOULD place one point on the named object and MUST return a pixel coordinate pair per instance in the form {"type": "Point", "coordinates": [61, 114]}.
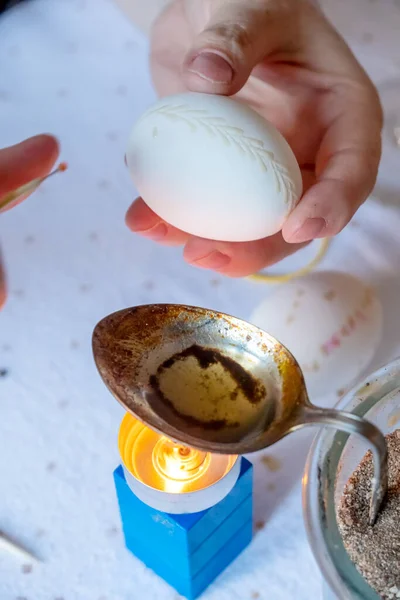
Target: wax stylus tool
{"type": "Point", "coordinates": [11, 546]}
{"type": "Point", "coordinates": [30, 187]}
{"type": "Point", "coordinates": [214, 382]}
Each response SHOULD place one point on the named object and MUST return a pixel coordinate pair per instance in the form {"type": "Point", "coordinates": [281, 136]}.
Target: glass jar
{"type": "Point", "coordinates": [332, 459]}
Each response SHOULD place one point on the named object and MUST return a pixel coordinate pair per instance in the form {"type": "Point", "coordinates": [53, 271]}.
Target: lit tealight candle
{"type": "Point", "coordinates": [170, 477]}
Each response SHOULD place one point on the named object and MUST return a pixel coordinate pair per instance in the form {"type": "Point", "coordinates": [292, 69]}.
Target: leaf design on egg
{"type": "Point", "coordinates": [252, 147]}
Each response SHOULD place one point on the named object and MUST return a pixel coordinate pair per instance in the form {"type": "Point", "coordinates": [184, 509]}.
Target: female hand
{"type": "Point", "coordinates": [288, 63]}
{"type": "Point", "coordinates": [19, 165]}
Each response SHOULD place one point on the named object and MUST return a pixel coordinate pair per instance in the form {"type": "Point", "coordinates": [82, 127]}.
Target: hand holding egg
{"type": "Point", "coordinates": [286, 62]}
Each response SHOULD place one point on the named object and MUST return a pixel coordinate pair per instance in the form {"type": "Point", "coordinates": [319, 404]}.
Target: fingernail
{"type": "Point", "coordinates": [310, 229]}
{"type": "Point", "coordinates": [213, 260]}
{"type": "Point", "coordinates": [212, 67]}
{"type": "Point", "coordinates": [156, 233]}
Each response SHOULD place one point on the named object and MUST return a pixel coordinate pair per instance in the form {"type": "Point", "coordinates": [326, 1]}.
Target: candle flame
{"type": "Point", "coordinates": [165, 465]}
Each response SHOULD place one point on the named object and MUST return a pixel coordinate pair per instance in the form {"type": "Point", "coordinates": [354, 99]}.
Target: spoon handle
{"type": "Point", "coordinates": [350, 423]}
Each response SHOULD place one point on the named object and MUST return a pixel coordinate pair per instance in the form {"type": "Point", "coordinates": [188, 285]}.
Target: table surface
{"type": "Point", "coordinates": [78, 69]}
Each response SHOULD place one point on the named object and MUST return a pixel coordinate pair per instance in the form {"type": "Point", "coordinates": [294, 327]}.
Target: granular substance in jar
{"type": "Point", "coordinates": [375, 550]}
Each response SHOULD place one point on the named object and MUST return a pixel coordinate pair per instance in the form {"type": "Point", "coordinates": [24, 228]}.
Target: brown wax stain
{"type": "Point", "coordinates": [215, 282]}
{"type": "Point", "coordinates": [271, 463]}
{"type": "Point", "coordinates": [255, 595]}
{"type": "Point", "coordinates": [26, 569]}
{"type": "Point", "coordinates": [271, 487]}
{"type": "Point", "coordinates": [210, 383]}
{"type": "Point", "coordinates": [290, 319]}
{"type": "Point", "coordinates": [260, 525]}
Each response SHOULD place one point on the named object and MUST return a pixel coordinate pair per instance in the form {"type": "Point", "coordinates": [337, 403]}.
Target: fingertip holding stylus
{"type": "Point", "coordinates": [15, 196]}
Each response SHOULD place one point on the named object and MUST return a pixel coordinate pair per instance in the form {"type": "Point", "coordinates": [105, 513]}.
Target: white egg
{"type": "Point", "coordinates": [331, 323]}
{"type": "Point", "coordinates": [213, 167]}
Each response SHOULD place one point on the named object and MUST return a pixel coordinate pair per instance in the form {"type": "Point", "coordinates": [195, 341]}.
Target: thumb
{"type": "Point", "coordinates": [237, 36]}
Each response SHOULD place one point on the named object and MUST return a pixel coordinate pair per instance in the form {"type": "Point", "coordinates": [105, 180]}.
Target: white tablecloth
{"type": "Point", "coordinates": [77, 68]}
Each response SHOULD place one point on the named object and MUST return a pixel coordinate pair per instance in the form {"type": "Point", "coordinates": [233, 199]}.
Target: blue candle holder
{"type": "Point", "coordinates": [188, 550]}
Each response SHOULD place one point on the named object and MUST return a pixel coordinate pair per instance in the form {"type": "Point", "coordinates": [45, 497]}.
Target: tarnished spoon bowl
{"type": "Point", "coordinates": [214, 382]}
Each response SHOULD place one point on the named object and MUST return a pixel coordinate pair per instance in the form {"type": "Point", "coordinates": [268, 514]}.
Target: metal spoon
{"type": "Point", "coordinates": [214, 382]}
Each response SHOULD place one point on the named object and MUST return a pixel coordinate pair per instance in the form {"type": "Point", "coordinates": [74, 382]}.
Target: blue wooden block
{"type": "Point", "coordinates": [195, 562]}
{"type": "Point", "coordinates": [178, 530]}
{"type": "Point", "coordinates": [221, 560]}
{"type": "Point", "coordinates": [190, 550]}
{"type": "Point", "coordinates": [191, 587]}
